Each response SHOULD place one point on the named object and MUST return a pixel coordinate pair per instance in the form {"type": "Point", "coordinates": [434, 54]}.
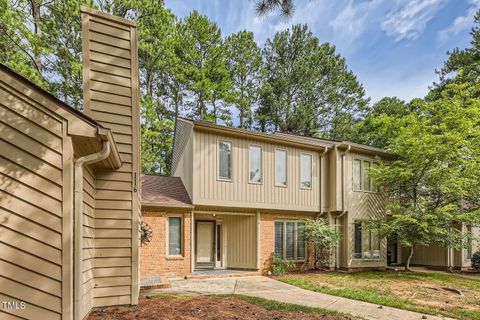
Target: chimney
{"type": "Point", "coordinates": [111, 97]}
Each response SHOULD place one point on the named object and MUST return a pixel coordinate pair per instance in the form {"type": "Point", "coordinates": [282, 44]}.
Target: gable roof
{"type": "Point", "coordinates": [164, 191]}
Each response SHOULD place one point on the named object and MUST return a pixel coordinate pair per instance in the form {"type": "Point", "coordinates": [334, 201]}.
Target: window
{"type": "Point", "coordinates": [174, 236]}
{"type": "Point", "coordinates": [280, 167]}
{"type": "Point", "coordinates": [290, 241]}
{"type": "Point", "coordinates": [357, 174]}
{"type": "Point", "coordinates": [225, 160]}
{"type": "Point", "coordinates": [366, 176]}
{"type": "Point", "coordinates": [367, 244]}
{"type": "Point", "coordinates": [305, 170]}
{"type": "Point", "coordinates": [256, 164]}
{"type": "Point", "coordinates": [362, 180]}
{"type": "Point", "coordinates": [469, 243]}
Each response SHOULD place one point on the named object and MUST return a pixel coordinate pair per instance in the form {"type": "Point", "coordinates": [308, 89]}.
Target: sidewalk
{"type": "Point", "coordinates": [263, 287]}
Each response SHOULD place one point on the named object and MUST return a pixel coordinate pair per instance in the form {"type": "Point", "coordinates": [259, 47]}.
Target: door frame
{"type": "Point", "coordinates": [206, 265]}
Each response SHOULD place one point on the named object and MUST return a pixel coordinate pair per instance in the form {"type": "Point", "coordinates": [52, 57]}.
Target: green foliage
{"type": "Point", "coordinates": [281, 266]}
{"type": "Point", "coordinates": [323, 237]}
{"type": "Point", "coordinates": [434, 183]}
{"type": "Point", "coordinates": [308, 88]}
{"type": "Point", "coordinates": [247, 74]}
{"type": "Point", "coordinates": [476, 261]}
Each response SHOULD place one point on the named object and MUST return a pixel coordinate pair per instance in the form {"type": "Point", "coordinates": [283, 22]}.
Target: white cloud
{"type": "Point", "coordinates": [460, 23]}
{"type": "Point", "coordinates": [410, 21]}
{"type": "Point", "coordinates": [351, 22]}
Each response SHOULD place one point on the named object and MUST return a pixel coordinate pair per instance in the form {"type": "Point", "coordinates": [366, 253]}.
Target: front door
{"type": "Point", "coordinates": [205, 244]}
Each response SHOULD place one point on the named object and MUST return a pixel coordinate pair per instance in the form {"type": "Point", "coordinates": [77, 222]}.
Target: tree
{"type": "Point", "coordinates": [466, 61]}
{"type": "Point", "coordinates": [434, 184]}
{"type": "Point", "coordinates": [323, 237]}
{"type": "Point", "coordinates": [203, 66]}
{"type": "Point", "coordinates": [308, 89]}
{"type": "Point", "coordinates": [265, 7]}
{"type": "Point", "coordinates": [246, 71]}
{"type": "Point", "coordinates": [373, 130]}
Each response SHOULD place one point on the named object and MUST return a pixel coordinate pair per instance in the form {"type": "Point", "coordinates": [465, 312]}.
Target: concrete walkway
{"type": "Point", "coordinates": [264, 287]}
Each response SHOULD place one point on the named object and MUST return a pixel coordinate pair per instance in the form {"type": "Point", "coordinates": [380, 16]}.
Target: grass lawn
{"type": "Point", "coordinates": [232, 307]}
{"type": "Point", "coordinates": [416, 291]}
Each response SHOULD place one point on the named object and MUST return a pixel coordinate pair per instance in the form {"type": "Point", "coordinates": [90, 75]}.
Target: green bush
{"type": "Point", "coordinates": [476, 261]}
{"type": "Point", "coordinates": [281, 266]}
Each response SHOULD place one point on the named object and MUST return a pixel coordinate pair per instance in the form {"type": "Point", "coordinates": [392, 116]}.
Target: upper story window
{"type": "Point", "coordinates": [255, 164]}
{"type": "Point", "coordinates": [281, 167]}
{"type": "Point", "coordinates": [225, 160]}
{"type": "Point", "coordinates": [362, 181]}
{"type": "Point", "coordinates": [306, 170]}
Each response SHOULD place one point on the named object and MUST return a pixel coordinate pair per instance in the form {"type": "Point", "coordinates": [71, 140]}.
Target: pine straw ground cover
{"type": "Point", "coordinates": [214, 307]}
{"type": "Point", "coordinates": [436, 293]}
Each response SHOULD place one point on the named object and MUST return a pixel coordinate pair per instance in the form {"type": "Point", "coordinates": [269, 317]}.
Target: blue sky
{"type": "Point", "coordinates": [393, 46]}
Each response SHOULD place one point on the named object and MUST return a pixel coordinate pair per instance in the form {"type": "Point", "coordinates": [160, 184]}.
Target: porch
{"type": "Point", "coordinates": [224, 242]}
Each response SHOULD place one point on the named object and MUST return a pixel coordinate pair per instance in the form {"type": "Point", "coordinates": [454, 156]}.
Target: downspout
{"type": "Point", "coordinates": [344, 211]}
{"type": "Point", "coordinates": [80, 163]}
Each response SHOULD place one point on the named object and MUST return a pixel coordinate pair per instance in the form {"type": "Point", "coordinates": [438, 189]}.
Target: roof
{"type": "Point", "coordinates": [206, 125]}
{"type": "Point", "coordinates": [164, 191]}
{"type": "Point", "coordinates": [62, 104]}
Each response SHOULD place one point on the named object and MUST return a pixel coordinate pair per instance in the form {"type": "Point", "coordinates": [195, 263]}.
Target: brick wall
{"type": "Point", "coordinates": [267, 239]}
{"type": "Point", "coordinates": [154, 260]}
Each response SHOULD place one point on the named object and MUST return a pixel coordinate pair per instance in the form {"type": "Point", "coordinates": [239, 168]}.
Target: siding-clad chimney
{"type": "Point", "coordinates": [111, 96]}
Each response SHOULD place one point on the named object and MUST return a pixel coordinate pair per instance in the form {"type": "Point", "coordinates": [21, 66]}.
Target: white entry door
{"type": "Point", "coordinates": [205, 241]}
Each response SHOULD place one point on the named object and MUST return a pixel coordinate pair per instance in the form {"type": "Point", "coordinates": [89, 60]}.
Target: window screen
{"type": "Point", "coordinates": [306, 170]}
{"type": "Point", "coordinates": [225, 160]}
{"type": "Point", "coordinates": [174, 236]}
{"type": "Point", "coordinates": [255, 164]}
{"type": "Point", "coordinates": [281, 167]}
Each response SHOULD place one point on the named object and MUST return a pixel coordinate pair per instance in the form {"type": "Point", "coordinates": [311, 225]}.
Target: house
{"type": "Point", "coordinates": [69, 198]}
{"type": "Point", "coordinates": [242, 195]}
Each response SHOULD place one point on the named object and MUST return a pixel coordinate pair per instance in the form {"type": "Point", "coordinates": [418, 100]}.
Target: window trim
{"type": "Point", "coordinates": [219, 178]}
{"type": "Point", "coordinates": [182, 234]}
{"type": "Point", "coordinates": [373, 188]}
{"type": "Point", "coordinates": [261, 163]}
{"type": "Point", "coordinates": [311, 170]}
{"type": "Point", "coordinates": [370, 236]}
{"type": "Point", "coordinates": [295, 239]}
{"type": "Point", "coordinates": [286, 168]}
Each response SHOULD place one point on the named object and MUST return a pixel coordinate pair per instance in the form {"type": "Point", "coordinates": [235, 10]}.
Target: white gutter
{"type": "Point", "coordinates": [344, 211]}
{"type": "Point", "coordinates": [80, 163]}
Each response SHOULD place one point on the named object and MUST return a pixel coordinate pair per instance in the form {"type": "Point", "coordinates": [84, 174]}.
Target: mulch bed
{"type": "Point", "coordinates": [202, 307]}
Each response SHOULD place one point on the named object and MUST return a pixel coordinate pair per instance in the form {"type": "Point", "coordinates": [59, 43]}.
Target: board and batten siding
{"type": "Point", "coordinates": [182, 157]}
{"type": "Point", "coordinates": [361, 205]}
{"type": "Point", "coordinates": [34, 168]}
{"type": "Point", "coordinates": [239, 192]}
{"type": "Point", "coordinates": [111, 97]}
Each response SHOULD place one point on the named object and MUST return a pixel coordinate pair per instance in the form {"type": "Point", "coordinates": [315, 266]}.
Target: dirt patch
{"type": "Point", "coordinates": [203, 307]}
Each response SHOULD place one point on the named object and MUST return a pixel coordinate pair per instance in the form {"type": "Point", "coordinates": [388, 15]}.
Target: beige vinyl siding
{"type": "Point", "coordinates": [428, 256]}
{"type": "Point", "coordinates": [209, 190]}
{"type": "Point", "coordinates": [361, 205]}
{"type": "Point", "coordinates": [239, 235]}
{"type": "Point", "coordinates": [111, 97]}
{"type": "Point", "coordinates": [31, 210]}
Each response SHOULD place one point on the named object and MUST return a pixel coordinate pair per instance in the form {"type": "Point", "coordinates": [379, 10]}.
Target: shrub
{"type": "Point", "coordinates": [476, 261]}
{"type": "Point", "coordinates": [281, 266]}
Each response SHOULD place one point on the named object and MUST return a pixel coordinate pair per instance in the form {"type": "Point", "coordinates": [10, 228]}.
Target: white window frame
{"type": "Point", "coordinates": [286, 168]}
{"type": "Point", "coordinates": [182, 236]}
{"type": "Point", "coordinates": [311, 170]}
{"type": "Point", "coordinates": [295, 240]}
{"type": "Point", "coordinates": [218, 160]}
{"type": "Point", "coordinates": [261, 164]}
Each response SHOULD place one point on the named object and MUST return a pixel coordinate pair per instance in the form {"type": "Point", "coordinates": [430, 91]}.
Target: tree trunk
{"type": "Point", "coordinates": [407, 264]}
{"type": "Point", "coordinates": [38, 31]}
